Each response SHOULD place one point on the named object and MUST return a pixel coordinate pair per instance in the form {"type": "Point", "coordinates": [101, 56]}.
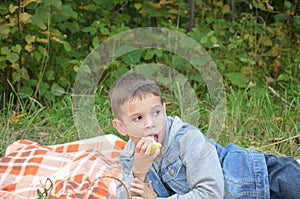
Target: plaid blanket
{"type": "Point", "coordinates": [81, 169]}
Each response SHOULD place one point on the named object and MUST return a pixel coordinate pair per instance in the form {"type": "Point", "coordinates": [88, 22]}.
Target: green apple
{"type": "Point", "coordinates": [155, 147]}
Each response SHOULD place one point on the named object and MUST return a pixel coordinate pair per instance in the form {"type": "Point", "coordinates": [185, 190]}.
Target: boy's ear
{"type": "Point", "coordinates": [118, 125]}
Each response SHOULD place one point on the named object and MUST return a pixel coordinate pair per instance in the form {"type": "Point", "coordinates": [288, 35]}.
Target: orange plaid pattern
{"type": "Point", "coordinates": [71, 170]}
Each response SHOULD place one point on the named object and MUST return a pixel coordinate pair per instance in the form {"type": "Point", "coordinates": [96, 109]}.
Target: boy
{"type": "Point", "coordinates": [189, 165]}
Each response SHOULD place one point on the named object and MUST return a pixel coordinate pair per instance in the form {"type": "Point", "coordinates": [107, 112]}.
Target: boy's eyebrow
{"type": "Point", "coordinates": [139, 113]}
{"type": "Point", "coordinates": [134, 114]}
{"type": "Point", "coordinates": [157, 106]}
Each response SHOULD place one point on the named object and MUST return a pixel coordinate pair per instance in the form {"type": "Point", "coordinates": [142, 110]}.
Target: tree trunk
{"type": "Point", "coordinates": [192, 15]}
{"type": "Point", "coordinates": [233, 10]}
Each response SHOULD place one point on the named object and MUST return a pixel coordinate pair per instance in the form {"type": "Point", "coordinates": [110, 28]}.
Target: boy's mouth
{"type": "Point", "coordinates": [155, 137]}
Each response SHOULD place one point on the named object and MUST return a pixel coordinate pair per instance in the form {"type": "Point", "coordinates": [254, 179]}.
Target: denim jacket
{"type": "Point", "coordinates": [194, 167]}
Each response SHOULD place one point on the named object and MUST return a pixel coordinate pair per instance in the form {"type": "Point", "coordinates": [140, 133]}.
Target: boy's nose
{"type": "Point", "coordinates": [149, 122]}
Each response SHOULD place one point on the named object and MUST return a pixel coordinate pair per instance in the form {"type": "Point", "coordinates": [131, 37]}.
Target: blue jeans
{"type": "Point", "coordinates": [284, 177]}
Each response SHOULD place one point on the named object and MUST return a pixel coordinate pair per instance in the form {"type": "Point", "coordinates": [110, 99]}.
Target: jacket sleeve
{"type": "Point", "coordinates": [126, 163]}
{"type": "Point", "coordinates": [203, 169]}
{"type": "Point", "coordinates": [127, 178]}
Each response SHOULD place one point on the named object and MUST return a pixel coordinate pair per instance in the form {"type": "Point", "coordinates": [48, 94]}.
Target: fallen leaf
{"type": "Point", "coordinates": [15, 119]}
{"type": "Point", "coordinates": [270, 79]}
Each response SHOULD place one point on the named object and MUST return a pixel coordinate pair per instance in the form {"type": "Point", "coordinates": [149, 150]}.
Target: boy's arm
{"type": "Point", "coordinates": [142, 164]}
{"type": "Point", "coordinates": [126, 162]}
{"type": "Point", "coordinates": [127, 178]}
{"type": "Point", "coordinates": [203, 170]}
{"type": "Point", "coordinates": [142, 157]}
{"type": "Point", "coordinates": [129, 173]}
{"type": "Point", "coordinates": [134, 166]}
{"type": "Point", "coordinates": [121, 192]}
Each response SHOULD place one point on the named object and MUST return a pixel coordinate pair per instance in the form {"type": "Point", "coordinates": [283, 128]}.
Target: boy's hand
{"type": "Point", "coordinates": [142, 158]}
{"type": "Point", "coordinates": [145, 192]}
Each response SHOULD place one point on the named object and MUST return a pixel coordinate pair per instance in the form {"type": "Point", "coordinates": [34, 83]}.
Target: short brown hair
{"type": "Point", "coordinates": [130, 86]}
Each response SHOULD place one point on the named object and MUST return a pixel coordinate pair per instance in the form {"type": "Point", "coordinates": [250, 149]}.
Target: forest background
{"type": "Point", "coordinates": [254, 43]}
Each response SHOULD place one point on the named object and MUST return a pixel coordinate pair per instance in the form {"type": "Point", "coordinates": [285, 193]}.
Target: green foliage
{"type": "Point", "coordinates": [43, 43]}
{"type": "Point", "coordinates": [30, 42]}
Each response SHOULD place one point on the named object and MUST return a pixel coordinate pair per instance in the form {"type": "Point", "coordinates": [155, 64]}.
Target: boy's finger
{"type": "Point", "coordinates": [156, 154]}
{"type": "Point", "coordinates": [149, 147]}
{"type": "Point", "coordinates": [137, 191]}
{"type": "Point", "coordinates": [137, 180]}
{"type": "Point", "coordinates": [138, 183]}
{"type": "Point", "coordinates": [141, 142]}
{"type": "Point", "coordinates": [142, 145]}
{"type": "Point", "coordinates": [137, 186]}
{"type": "Point", "coordinates": [146, 147]}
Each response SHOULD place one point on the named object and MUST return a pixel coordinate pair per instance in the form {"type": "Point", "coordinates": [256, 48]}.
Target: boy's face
{"type": "Point", "coordinates": [142, 117]}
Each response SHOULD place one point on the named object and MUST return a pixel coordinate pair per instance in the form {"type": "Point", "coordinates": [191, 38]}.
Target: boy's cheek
{"type": "Point", "coordinates": [135, 139]}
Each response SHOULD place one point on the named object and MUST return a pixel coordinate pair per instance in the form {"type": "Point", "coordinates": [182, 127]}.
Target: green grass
{"type": "Point", "coordinates": [256, 119]}
{"type": "Point", "coordinates": [259, 120]}
{"type": "Point", "coordinates": [46, 125]}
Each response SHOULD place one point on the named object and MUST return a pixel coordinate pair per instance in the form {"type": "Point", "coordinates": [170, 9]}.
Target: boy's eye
{"type": "Point", "coordinates": [156, 113]}
{"type": "Point", "coordinates": [138, 118]}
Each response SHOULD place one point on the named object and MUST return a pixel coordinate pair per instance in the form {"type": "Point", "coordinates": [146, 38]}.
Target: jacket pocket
{"type": "Point", "coordinates": [174, 175]}
{"type": "Point", "coordinates": [239, 188]}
